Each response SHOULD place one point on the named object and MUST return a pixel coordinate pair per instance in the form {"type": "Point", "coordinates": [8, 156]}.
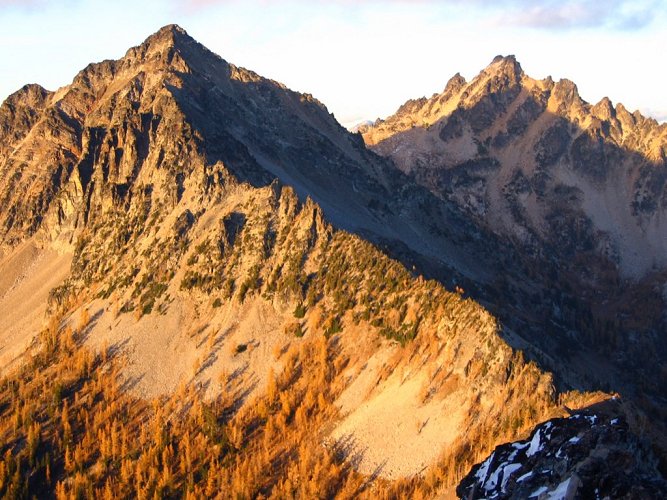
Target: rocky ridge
{"type": "Point", "coordinates": [516, 149]}
{"type": "Point", "coordinates": [587, 455]}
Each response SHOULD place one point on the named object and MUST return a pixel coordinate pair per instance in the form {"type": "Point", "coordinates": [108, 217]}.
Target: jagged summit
{"type": "Point", "coordinates": [500, 58]}
{"type": "Point", "coordinates": [171, 35]}
{"type": "Point", "coordinates": [454, 84]}
{"type": "Point", "coordinates": [502, 111]}
{"type": "Point", "coordinates": [505, 66]}
{"type": "Point", "coordinates": [508, 60]}
{"type": "Point", "coordinates": [30, 90]}
{"type": "Point", "coordinates": [31, 94]}
{"type": "Point", "coordinates": [172, 46]}
{"type": "Point", "coordinates": [171, 30]}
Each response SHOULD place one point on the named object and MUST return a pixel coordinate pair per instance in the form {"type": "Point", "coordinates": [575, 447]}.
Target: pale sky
{"type": "Point", "coordinates": [361, 58]}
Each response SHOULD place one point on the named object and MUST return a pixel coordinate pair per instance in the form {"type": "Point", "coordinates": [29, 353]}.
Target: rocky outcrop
{"type": "Point", "coordinates": [587, 455]}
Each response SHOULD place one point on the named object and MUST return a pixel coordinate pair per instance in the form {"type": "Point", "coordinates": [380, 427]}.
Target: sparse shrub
{"type": "Point", "coordinates": [294, 329]}
{"type": "Point", "coordinates": [243, 290]}
{"type": "Point", "coordinates": [300, 311]}
{"type": "Point", "coordinates": [148, 307]}
{"type": "Point", "coordinates": [332, 326]}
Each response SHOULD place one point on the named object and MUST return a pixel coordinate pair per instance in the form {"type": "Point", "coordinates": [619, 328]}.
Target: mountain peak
{"type": "Point", "coordinates": [31, 93]}
{"type": "Point", "coordinates": [171, 28]}
{"type": "Point", "coordinates": [171, 35]}
{"type": "Point", "coordinates": [170, 46]}
{"type": "Point", "coordinates": [506, 65]}
{"type": "Point", "coordinates": [604, 109]}
{"type": "Point", "coordinates": [455, 83]}
{"type": "Point", "coordinates": [500, 57]}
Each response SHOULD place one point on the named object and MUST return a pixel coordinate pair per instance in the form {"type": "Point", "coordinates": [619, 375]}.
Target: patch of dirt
{"type": "Point", "coordinates": [27, 275]}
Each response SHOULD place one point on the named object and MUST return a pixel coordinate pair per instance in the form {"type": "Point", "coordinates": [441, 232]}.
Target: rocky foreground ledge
{"type": "Point", "coordinates": [587, 455]}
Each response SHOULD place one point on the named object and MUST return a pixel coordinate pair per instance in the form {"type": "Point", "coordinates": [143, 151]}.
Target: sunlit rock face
{"type": "Point", "coordinates": [533, 160]}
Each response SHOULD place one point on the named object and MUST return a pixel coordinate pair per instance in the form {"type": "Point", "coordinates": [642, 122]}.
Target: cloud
{"type": "Point", "coordinates": [35, 5]}
{"type": "Point", "coordinates": [540, 14]}
{"type": "Point", "coordinates": [581, 14]}
{"type": "Point", "coordinates": [25, 4]}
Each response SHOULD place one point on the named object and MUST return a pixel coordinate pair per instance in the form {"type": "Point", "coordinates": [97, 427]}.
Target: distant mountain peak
{"type": "Point", "coordinates": [566, 91]}
{"type": "Point", "coordinates": [31, 93]}
{"type": "Point", "coordinates": [172, 28]}
{"type": "Point", "coordinates": [500, 58]}
{"type": "Point", "coordinates": [454, 84]}
{"type": "Point", "coordinates": [551, 125]}
{"type": "Point", "coordinates": [604, 109]}
{"type": "Point", "coordinates": [507, 65]}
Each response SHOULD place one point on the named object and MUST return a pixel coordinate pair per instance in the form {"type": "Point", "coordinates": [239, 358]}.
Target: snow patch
{"type": "Point", "coordinates": [560, 491]}
{"type": "Point", "coordinates": [508, 470]}
{"type": "Point", "coordinates": [538, 492]}
{"type": "Point", "coordinates": [484, 469]}
{"type": "Point", "coordinates": [493, 480]}
{"type": "Point", "coordinates": [524, 477]}
{"type": "Point", "coordinates": [534, 444]}
{"type": "Point", "coordinates": [504, 471]}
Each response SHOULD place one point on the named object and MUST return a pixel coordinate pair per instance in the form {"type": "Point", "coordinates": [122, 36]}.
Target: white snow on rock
{"type": "Point", "coordinates": [538, 492]}
{"type": "Point", "coordinates": [508, 470]}
{"type": "Point", "coordinates": [534, 444]}
{"type": "Point", "coordinates": [484, 469]}
{"type": "Point", "coordinates": [524, 477]}
{"type": "Point", "coordinates": [560, 491]}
